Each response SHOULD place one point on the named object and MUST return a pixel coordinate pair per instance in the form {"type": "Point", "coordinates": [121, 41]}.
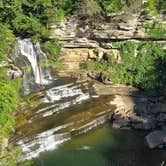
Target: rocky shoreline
{"type": "Point", "coordinates": [136, 111]}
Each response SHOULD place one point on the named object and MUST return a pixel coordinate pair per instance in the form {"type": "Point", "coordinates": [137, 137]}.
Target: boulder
{"type": "Point", "coordinates": [157, 139]}
{"type": "Point", "coordinates": [120, 123]}
{"type": "Point", "coordinates": [161, 117]}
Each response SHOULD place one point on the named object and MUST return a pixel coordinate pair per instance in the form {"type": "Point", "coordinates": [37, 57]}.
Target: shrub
{"type": "Point", "coordinates": [53, 48]}
{"type": "Point", "coordinates": [90, 9]}
{"type": "Point", "coordinates": [156, 30]}
{"type": "Point", "coordinates": [146, 70]}
{"type": "Point", "coordinates": [110, 5]}
{"type": "Point", "coordinates": [7, 40]}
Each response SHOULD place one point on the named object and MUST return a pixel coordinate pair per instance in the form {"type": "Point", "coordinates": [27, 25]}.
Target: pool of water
{"type": "Point", "coordinates": [104, 146]}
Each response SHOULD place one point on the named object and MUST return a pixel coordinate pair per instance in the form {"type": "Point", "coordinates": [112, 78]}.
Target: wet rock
{"type": "Point", "coordinates": [161, 117]}
{"type": "Point", "coordinates": [120, 122]}
{"type": "Point", "coordinates": [145, 122]}
{"type": "Point", "coordinates": [158, 107]}
{"type": "Point", "coordinates": [91, 125]}
{"type": "Point", "coordinates": [14, 73]}
{"type": "Point", "coordinates": [157, 139]}
{"type": "Point", "coordinates": [163, 127]}
{"type": "Point", "coordinates": [103, 78]}
{"type": "Point", "coordinates": [155, 108]}
{"type": "Point", "coordinates": [144, 126]}
{"type": "Point", "coordinates": [106, 45]}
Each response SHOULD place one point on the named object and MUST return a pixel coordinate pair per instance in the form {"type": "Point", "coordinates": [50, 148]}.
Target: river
{"type": "Point", "coordinates": [66, 124]}
{"type": "Point", "coordinates": [103, 146]}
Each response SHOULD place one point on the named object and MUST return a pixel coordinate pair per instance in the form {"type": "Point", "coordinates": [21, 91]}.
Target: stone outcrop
{"type": "Point", "coordinates": [125, 26]}
{"type": "Point", "coordinates": [133, 112]}
{"type": "Point", "coordinates": [74, 57]}
{"type": "Point", "coordinates": [65, 30]}
{"type": "Point", "coordinates": [81, 43]}
{"type": "Point", "coordinates": [137, 113]}
{"type": "Point", "coordinates": [157, 139]}
{"type": "Point", "coordinates": [12, 70]}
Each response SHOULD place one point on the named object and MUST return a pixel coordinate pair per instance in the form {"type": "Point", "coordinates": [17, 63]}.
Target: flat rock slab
{"type": "Point", "coordinates": [156, 138]}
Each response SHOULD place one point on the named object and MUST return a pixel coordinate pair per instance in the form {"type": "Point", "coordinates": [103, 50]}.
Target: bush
{"type": "Point", "coordinates": [142, 70]}
{"type": "Point", "coordinates": [53, 48]}
{"type": "Point", "coordinates": [9, 97]}
{"type": "Point", "coordinates": [146, 70]}
{"type": "Point", "coordinates": [90, 9]}
{"type": "Point", "coordinates": [7, 40]}
{"type": "Point", "coordinates": [110, 5]}
{"type": "Point", "coordinates": [156, 30]}
{"type": "Point", "coordinates": [150, 7]}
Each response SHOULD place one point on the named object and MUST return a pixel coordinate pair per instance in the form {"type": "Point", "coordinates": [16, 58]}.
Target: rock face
{"type": "Point", "coordinates": [81, 43]}
{"type": "Point", "coordinates": [74, 57]}
{"type": "Point", "coordinates": [118, 27]}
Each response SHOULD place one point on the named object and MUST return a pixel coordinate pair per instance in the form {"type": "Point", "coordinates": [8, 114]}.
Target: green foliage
{"type": "Point", "coordinates": [110, 5]}
{"type": "Point", "coordinates": [152, 6]}
{"type": "Point", "coordinates": [8, 103]}
{"type": "Point", "coordinates": [132, 5]}
{"type": "Point", "coordinates": [9, 97]}
{"type": "Point", "coordinates": [53, 48]}
{"type": "Point", "coordinates": [7, 40]}
{"type": "Point", "coordinates": [10, 156]}
{"type": "Point", "coordinates": [32, 18]}
{"type": "Point", "coordinates": [90, 9]}
{"type": "Point", "coordinates": [141, 70]}
{"type": "Point", "coordinates": [146, 69]}
{"type": "Point", "coordinates": [161, 6]}
{"type": "Point", "coordinates": [156, 30]}
{"type": "Point", "coordinates": [98, 66]}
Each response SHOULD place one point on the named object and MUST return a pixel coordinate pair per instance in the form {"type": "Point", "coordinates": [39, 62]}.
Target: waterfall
{"type": "Point", "coordinates": [30, 56]}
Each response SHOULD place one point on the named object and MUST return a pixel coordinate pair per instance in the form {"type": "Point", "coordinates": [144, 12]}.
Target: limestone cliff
{"type": "Point", "coordinates": [84, 42]}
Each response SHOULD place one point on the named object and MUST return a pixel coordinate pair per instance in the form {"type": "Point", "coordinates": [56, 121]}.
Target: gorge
{"type": "Point", "coordinates": [83, 83]}
{"type": "Point", "coordinates": [67, 108]}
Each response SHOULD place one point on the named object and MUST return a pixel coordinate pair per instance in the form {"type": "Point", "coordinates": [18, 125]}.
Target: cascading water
{"type": "Point", "coordinates": [59, 111]}
{"type": "Point", "coordinates": [30, 56]}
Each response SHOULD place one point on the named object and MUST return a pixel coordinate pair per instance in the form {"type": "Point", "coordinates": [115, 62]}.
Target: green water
{"type": "Point", "coordinates": [104, 146]}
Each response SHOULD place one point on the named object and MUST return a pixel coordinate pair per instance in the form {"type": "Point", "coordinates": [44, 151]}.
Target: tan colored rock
{"type": "Point", "coordinates": [5, 143]}
{"type": "Point", "coordinates": [114, 89]}
{"type": "Point", "coordinates": [92, 54]}
{"type": "Point", "coordinates": [73, 57]}
{"type": "Point", "coordinates": [100, 54]}
{"type": "Point", "coordinates": [116, 54]}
